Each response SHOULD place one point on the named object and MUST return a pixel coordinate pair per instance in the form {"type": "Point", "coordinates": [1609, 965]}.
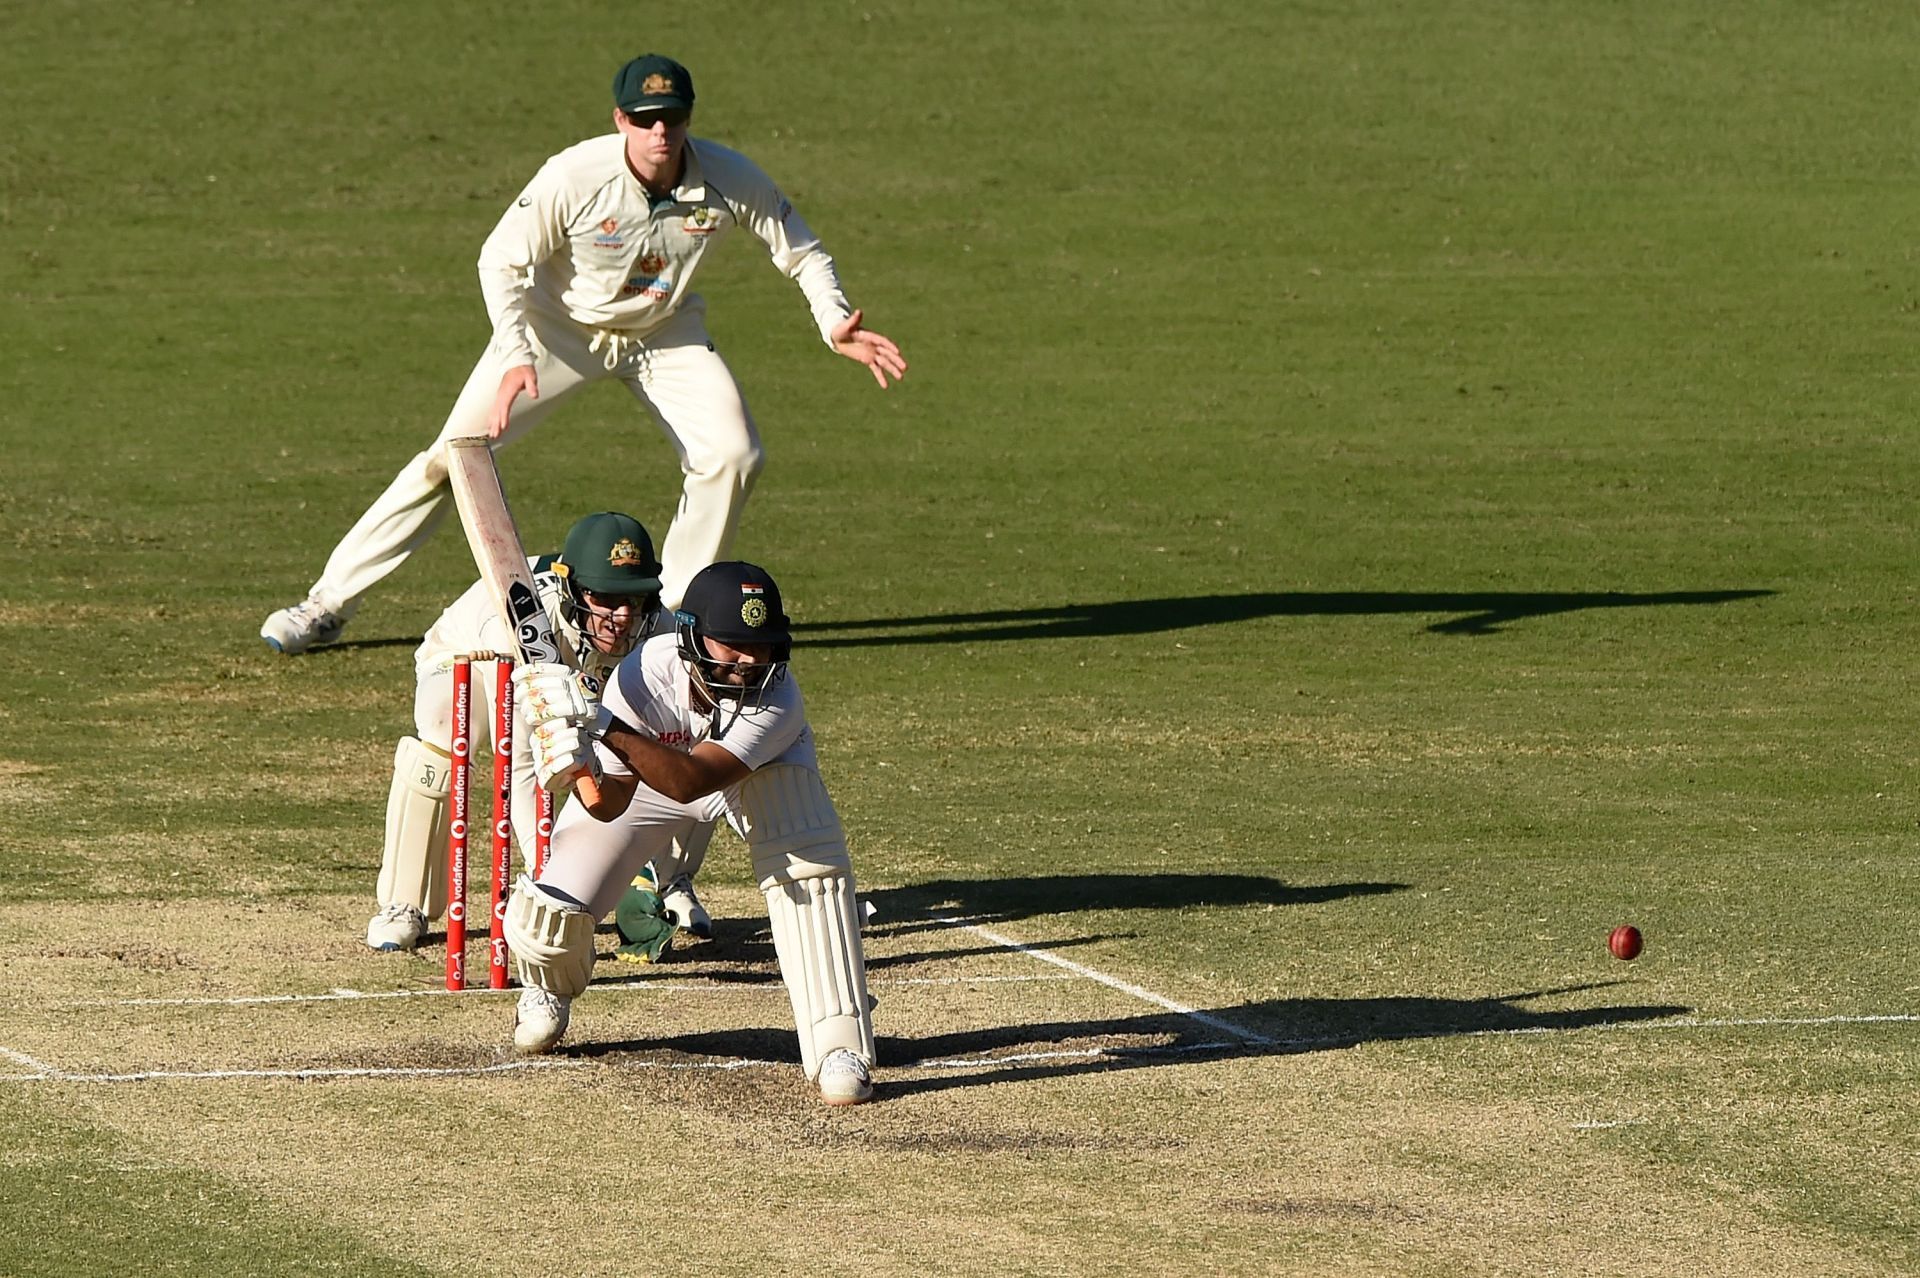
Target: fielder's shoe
{"type": "Point", "coordinates": [844, 1078]}
{"type": "Point", "coordinates": [684, 908]}
{"type": "Point", "coordinates": [307, 624]}
{"type": "Point", "coordinates": [396, 927]}
{"type": "Point", "coordinates": [540, 1020]}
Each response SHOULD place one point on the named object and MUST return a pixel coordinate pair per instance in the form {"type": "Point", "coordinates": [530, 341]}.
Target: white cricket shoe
{"type": "Point", "coordinates": [396, 927]}
{"type": "Point", "coordinates": [684, 908]}
{"type": "Point", "coordinates": [539, 1020]}
{"type": "Point", "coordinates": [844, 1078]}
{"type": "Point", "coordinates": [307, 624]}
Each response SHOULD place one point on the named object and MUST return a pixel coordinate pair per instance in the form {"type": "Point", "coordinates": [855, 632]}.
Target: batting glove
{"type": "Point", "coordinates": [550, 692]}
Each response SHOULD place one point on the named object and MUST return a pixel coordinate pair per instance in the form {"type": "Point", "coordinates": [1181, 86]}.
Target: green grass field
{"type": "Point", "coordinates": [1384, 493]}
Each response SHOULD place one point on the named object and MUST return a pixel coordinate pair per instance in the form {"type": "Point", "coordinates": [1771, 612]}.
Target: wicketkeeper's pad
{"type": "Point", "coordinates": [413, 868]}
{"type": "Point", "coordinates": [552, 941]}
{"type": "Point", "coordinates": [800, 857]}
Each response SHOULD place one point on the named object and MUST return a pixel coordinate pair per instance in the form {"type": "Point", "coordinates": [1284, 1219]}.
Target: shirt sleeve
{"type": "Point", "coordinates": [791, 243]}
{"type": "Point", "coordinates": [758, 739]}
{"type": "Point", "coordinates": [532, 230]}
{"type": "Point", "coordinates": [616, 701]}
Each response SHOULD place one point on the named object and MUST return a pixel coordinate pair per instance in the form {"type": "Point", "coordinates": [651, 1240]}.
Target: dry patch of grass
{"type": "Point", "coordinates": [1368, 1159]}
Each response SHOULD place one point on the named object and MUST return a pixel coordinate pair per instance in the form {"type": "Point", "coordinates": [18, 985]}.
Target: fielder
{"type": "Point", "coordinates": [602, 592]}
{"type": "Point", "coordinates": [588, 277]}
{"type": "Point", "coordinates": [696, 725]}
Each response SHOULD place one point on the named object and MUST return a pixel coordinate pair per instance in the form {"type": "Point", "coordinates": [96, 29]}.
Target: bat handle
{"type": "Point", "coordinates": [588, 789]}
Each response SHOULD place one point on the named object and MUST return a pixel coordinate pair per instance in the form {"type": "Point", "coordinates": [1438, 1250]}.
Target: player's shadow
{"type": "Point", "coordinates": [363, 645]}
{"type": "Point", "coordinates": [943, 902]}
{"type": "Point", "coordinates": [1057, 1049]}
{"type": "Point", "coordinates": [1469, 613]}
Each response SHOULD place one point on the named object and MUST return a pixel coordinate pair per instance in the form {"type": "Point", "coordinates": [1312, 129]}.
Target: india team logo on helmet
{"type": "Point", "coordinates": [734, 604]}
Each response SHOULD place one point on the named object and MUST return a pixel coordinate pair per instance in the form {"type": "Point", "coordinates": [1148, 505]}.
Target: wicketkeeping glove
{"type": "Point", "coordinates": [548, 691]}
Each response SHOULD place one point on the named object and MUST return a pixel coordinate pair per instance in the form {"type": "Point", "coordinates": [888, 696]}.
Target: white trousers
{"type": "Point", "coordinates": [674, 373]}
{"type": "Point", "coordinates": [594, 861]}
{"type": "Point", "coordinates": [675, 845]}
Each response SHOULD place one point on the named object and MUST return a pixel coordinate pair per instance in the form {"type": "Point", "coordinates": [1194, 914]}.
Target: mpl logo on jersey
{"type": "Point", "coordinates": [609, 237]}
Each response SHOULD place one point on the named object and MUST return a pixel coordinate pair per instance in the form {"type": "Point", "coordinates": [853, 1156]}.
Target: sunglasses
{"type": "Point", "coordinates": [673, 119]}
{"type": "Point", "coordinates": [613, 603]}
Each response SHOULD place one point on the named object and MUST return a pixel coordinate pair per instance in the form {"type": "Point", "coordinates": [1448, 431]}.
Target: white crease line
{"type": "Point", "coordinates": [349, 996]}
{"type": "Point", "coordinates": [49, 1074]}
{"type": "Point", "coordinates": [1730, 1023]}
{"type": "Point", "coordinates": [21, 1058]}
{"type": "Point", "coordinates": [1085, 1053]}
{"type": "Point", "coordinates": [410, 1071]}
{"type": "Point", "coordinates": [1214, 1022]}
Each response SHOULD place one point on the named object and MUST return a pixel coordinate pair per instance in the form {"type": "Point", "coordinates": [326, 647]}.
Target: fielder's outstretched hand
{"type": "Point", "coordinates": [515, 383]}
{"type": "Point", "coordinates": [873, 349]}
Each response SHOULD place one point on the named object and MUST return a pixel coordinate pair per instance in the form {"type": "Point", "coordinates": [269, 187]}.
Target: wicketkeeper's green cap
{"type": "Point", "coordinates": [653, 82]}
{"type": "Point", "coordinates": [610, 554]}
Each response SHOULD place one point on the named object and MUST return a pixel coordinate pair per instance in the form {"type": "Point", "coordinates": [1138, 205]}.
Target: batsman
{"type": "Point", "coordinates": [602, 594]}
{"type": "Point", "coordinates": [701, 724]}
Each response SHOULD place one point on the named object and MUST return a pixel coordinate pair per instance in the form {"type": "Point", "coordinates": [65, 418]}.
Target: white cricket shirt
{"type": "Point", "coordinates": [586, 240]}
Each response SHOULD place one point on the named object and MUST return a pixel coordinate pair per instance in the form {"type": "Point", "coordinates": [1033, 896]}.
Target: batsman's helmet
{"type": "Point", "coordinates": [610, 554]}
{"type": "Point", "coordinates": [737, 604]}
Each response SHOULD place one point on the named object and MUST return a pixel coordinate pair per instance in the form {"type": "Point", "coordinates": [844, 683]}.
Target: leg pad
{"type": "Point", "coordinates": [552, 942]}
{"type": "Point", "coordinates": [800, 858]}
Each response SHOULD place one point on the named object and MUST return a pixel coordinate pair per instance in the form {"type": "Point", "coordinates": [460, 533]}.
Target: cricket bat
{"type": "Point", "coordinates": [495, 541]}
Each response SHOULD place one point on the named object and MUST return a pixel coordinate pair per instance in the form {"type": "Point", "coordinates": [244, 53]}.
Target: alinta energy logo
{"type": "Point", "coordinates": [609, 237]}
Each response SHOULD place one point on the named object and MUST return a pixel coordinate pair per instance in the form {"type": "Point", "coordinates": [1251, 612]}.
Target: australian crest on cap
{"type": "Point", "coordinates": [657, 84]}
{"type": "Point", "coordinates": [624, 554]}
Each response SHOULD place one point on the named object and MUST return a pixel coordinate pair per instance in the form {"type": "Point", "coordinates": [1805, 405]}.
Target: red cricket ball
{"type": "Point", "coordinates": [1624, 941]}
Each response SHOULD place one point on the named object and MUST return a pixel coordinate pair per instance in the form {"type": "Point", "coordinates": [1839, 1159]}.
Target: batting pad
{"type": "Point", "coordinates": [800, 857]}
{"type": "Point", "coordinates": [413, 868]}
{"type": "Point", "coordinates": [552, 943]}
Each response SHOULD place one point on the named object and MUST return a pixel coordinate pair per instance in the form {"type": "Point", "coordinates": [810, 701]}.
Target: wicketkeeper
{"type": "Point", "coordinates": [696, 725]}
{"type": "Point", "coordinates": [602, 592]}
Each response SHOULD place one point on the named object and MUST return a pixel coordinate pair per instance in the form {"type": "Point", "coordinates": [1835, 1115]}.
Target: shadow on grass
{"type": "Point", "coordinates": [1275, 1027]}
{"type": "Point", "coordinates": [1060, 1049]}
{"type": "Point", "coordinates": [1478, 613]}
{"type": "Point", "coordinates": [940, 903]}
{"type": "Point", "coordinates": [364, 645]}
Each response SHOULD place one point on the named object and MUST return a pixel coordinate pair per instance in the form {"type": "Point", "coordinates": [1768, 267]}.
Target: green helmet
{"type": "Point", "coordinates": [609, 554]}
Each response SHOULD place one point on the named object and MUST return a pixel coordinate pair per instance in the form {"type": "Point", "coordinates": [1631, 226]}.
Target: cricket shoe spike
{"type": "Point", "coordinates": [845, 1078]}
{"type": "Point", "coordinates": [539, 1020]}
{"type": "Point", "coordinates": [308, 624]}
{"type": "Point", "coordinates": [684, 908]}
{"type": "Point", "coordinates": [396, 928]}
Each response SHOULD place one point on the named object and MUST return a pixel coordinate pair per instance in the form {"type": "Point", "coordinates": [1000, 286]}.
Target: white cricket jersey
{"type": "Point", "coordinates": [472, 624]}
{"type": "Point", "coordinates": [653, 691]}
{"type": "Point", "coordinates": [585, 239]}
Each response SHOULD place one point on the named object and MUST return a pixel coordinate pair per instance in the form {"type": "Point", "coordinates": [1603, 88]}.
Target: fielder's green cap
{"type": "Point", "coordinates": [610, 554]}
{"type": "Point", "coordinates": [653, 82]}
